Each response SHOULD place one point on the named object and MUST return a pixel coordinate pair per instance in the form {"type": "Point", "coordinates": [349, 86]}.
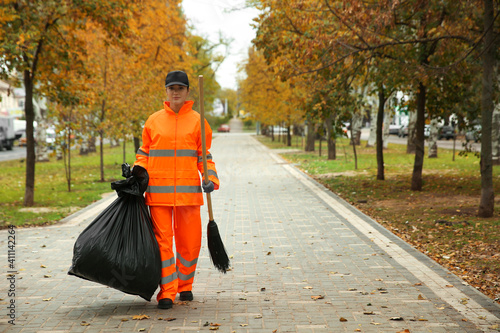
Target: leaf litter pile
{"type": "Point", "coordinates": [441, 220]}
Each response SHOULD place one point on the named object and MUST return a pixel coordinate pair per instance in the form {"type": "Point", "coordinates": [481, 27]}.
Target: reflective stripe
{"type": "Point", "coordinates": [168, 279]}
{"type": "Point", "coordinates": [172, 153]}
{"type": "Point", "coordinates": [213, 173]}
{"type": "Point", "coordinates": [187, 153]}
{"type": "Point", "coordinates": [185, 277]}
{"type": "Point", "coordinates": [141, 152]}
{"type": "Point", "coordinates": [162, 152]}
{"type": "Point", "coordinates": [171, 189]}
{"type": "Point", "coordinates": [168, 263]}
{"type": "Point", "coordinates": [186, 263]}
{"type": "Point", "coordinates": [209, 158]}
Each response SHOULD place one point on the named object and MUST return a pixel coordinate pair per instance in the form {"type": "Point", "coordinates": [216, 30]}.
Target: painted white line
{"type": "Point", "coordinates": [471, 310]}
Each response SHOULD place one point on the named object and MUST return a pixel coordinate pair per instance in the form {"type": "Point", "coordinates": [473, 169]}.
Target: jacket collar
{"type": "Point", "coordinates": [187, 107]}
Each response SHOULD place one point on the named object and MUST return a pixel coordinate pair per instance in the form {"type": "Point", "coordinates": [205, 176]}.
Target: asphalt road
{"type": "Point", "coordinates": [15, 154]}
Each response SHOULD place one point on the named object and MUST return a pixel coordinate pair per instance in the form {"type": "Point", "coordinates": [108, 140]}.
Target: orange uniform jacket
{"type": "Point", "coordinates": [171, 152]}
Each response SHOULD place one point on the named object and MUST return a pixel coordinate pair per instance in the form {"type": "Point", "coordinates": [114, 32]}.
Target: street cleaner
{"type": "Point", "coordinates": [171, 152]}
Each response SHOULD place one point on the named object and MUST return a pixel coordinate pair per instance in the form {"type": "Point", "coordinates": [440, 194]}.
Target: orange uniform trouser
{"type": "Point", "coordinates": [183, 223]}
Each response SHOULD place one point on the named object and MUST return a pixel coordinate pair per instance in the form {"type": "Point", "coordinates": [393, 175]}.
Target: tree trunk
{"type": "Point", "coordinates": [124, 150]}
{"type": "Point", "coordinates": [487, 204]}
{"type": "Point", "coordinates": [331, 140]}
{"type": "Point", "coordinates": [29, 192]}
{"type": "Point", "coordinates": [379, 141]}
{"type": "Point", "coordinates": [311, 136]}
{"type": "Point", "coordinates": [372, 139]}
{"type": "Point", "coordinates": [416, 180]}
{"type": "Point", "coordinates": [412, 133]}
{"type": "Point", "coordinates": [92, 147]}
{"type": "Point", "coordinates": [69, 155]}
{"type": "Point", "coordinates": [433, 139]}
{"type": "Point", "coordinates": [137, 144]}
{"type": "Point", "coordinates": [354, 147]}
{"type": "Point", "coordinates": [101, 147]}
{"type": "Point", "coordinates": [356, 124]}
{"type": "Point", "coordinates": [289, 137]}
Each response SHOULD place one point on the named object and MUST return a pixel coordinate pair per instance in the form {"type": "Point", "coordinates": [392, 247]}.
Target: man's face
{"type": "Point", "coordinates": [177, 94]}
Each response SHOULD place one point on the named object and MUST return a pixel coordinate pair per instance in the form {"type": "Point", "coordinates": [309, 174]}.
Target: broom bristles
{"type": "Point", "coordinates": [216, 248]}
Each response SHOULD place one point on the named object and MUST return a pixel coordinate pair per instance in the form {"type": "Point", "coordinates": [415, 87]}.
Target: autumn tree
{"type": "Point", "coordinates": [38, 38]}
{"type": "Point", "coordinates": [265, 96]}
{"type": "Point", "coordinates": [423, 37]}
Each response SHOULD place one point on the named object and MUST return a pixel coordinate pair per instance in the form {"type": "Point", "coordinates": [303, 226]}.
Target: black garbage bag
{"type": "Point", "coordinates": [119, 249]}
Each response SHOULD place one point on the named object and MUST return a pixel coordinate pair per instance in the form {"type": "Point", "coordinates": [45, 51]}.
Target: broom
{"type": "Point", "coordinates": [216, 248]}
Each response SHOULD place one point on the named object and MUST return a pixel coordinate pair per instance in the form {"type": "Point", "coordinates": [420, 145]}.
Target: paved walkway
{"type": "Point", "coordinates": [303, 261]}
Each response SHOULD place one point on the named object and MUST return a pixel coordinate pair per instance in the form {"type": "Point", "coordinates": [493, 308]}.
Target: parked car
{"type": "Point", "coordinates": [403, 131]}
{"type": "Point", "coordinates": [474, 134]}
{"type": "Point", "coordinates": [394, 129]}
{"type": "Point", "coordinates": [447, 132]}
{"type": "Point", "coordinates": [223, 128]}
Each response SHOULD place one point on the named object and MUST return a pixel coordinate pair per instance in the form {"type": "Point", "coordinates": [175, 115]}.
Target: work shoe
{"type": "Point", "coordinates": [186, 296]}
{"type": "Point", "coordinates": [165, 303]}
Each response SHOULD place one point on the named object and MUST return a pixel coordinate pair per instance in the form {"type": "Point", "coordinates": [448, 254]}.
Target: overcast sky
{"type": "Point", "coordinates": [208, 17]}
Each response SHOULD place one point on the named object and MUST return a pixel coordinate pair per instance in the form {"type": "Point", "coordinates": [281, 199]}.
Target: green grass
{"type": "Point", "coordinates": [51, 188]}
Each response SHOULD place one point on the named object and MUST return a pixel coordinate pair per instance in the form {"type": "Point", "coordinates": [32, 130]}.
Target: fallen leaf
{"type": "Point", "coordinates": [170, 319]}
{"type": "Point", "coordinates": [396, 318]}
{"type": "Point", "coordinates": [352, 289]}
{"type": "Point", "coordinates": [464, 301]}
{"type": "Point", "coordinates": [342, 319]}
{"type": "Point", "coordinates": [47, 276]}
{"type": "Point", "coordinates": [124, 319]}
{"type": "Point", "coordinates": [317, 297]}
{"type": "Point", "coordinates": [308, 287]}
{"type": "Point", "coordinates": [420, 297]}
{"type": "Point", "coordinates": [405, 331]}
{"type": "Point", "coordinates": [47, 299]}
{"type": "Point", "coordinates": [449, 286]}
{"type": "Point", "coordinates": [43, 266]}
{"type": "Point", "coordinates": [141, 330]}
{"type": "Point", "coordinates": [213, 328]}
{"type": "Point", "coordinates": [206, 324]}
{"type": "Point", "coordinates": [214, 324]}
{"type": "Point", "coordinates": [259, 316]}
{"type": "Point", "coordinates": [243, 325]}
{"type": "Point", "coordinates": [374, 323]}
{"type": "Point", "coordinates": [418, 284]}
{"type": "Point", "coordinates": [368, 313]}
{"type": "Point", "coordinates": [84, 323]}
{"type": "Point", "coordinates": [494, 327]}
{"type": "Point", "coordinates": [422, 319]}
{"type": "Point", "coordinates": [140, 317]}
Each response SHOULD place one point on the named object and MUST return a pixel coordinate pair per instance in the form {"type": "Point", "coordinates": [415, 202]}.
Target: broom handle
{"type": "Point", "coordinates": [204, 146]}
